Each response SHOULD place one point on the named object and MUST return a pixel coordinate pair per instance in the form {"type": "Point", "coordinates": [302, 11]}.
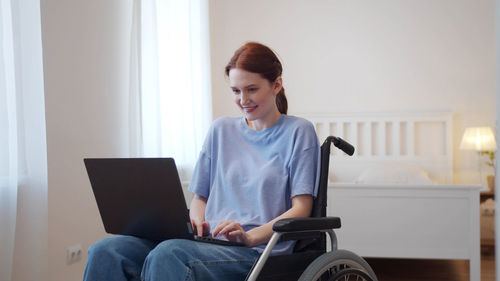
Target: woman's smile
{"type": "Point", "coordinates": [249, 109]}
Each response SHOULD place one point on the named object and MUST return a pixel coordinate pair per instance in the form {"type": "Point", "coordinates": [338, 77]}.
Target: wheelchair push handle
{"type": "Point", "coordinates": [341, 144]}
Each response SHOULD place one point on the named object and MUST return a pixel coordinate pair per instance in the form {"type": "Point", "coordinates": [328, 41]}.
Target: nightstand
{"type": "Point", "coordinates": [487, 223]}
{"type": "Point", "coordinates": [486, 195]}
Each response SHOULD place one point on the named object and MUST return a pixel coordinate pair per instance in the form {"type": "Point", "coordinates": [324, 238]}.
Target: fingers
{"type": "Point", "coordinates": [222, 226]}
{"type": "Point", "coordinates": [206, 228]}
{"type": "Point", "coordinates": [218, 228]}
{"type": "Point", "coordinates": [226, 227]}
{"type": "Point", "coordinates": [200, 228]}
{"type": "Point", "coordinates": [235, 233]}
{"type": "Point", "coordinates": [194, 225]}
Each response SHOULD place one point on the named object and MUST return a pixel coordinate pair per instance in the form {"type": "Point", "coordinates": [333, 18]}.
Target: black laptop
{"type": "Point", "coordinates": [142, 197]}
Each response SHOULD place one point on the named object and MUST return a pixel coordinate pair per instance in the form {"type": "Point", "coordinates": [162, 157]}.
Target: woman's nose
{"type": "Point", "coordinates": [244, 98]}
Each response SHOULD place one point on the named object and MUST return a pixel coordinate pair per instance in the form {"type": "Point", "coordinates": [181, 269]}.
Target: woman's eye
{"type": "Point", "coordinates": [236, 91]}
{"type": "Point", "coordinates": [252, 89]}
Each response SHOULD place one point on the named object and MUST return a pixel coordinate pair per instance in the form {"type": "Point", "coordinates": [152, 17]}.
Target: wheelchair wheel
{"type": "Point", "coordinates": [350, 274]}
{"type": "Point", "coordinates": [338, 265]}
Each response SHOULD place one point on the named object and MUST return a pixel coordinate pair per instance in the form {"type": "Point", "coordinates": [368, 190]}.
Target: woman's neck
{"type": "Point", "coordinates": [262, 124]}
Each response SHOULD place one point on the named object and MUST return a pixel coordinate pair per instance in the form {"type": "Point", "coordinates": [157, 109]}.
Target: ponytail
{"type": "Point", "coordinates": [281, 101]}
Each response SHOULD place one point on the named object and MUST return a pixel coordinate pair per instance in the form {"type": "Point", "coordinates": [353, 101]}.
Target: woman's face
{"type": "Point", "coordinates": [255, 96]}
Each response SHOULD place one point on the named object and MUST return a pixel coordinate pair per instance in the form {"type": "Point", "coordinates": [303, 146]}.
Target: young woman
{"type": "Point", "coordinates": [252, 171]}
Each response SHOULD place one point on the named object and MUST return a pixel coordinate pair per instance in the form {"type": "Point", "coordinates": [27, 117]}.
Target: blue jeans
{"type": "Point", "coordinates": [131, 258]}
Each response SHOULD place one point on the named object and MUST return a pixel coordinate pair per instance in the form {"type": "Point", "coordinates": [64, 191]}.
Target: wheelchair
{"type": "Point", "coordinates": [310, 260]}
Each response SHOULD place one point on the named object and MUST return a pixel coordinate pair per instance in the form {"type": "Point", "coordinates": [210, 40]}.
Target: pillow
{"type": "Point", "coordinates": [395, 173]}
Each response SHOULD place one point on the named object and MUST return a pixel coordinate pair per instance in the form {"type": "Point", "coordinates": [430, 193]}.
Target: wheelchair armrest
{"type": "Point", "coordinates": [306, 224]}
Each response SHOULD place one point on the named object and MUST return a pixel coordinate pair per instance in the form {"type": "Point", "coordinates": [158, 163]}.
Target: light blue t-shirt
{"type": "Point", "coordinates": [251, 176]}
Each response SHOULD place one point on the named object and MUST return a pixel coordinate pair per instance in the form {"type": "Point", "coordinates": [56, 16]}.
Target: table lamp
{"type": "Point", "coordinates": [480, 139]}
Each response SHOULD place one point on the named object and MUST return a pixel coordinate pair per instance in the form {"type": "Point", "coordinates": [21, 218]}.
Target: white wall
{"type": "Point", "coordinates": [370, 56]}
{"type": "Point", "coordinates": [86, 47]}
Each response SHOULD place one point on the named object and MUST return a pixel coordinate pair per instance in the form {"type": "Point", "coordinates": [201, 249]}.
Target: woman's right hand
{"type": "Point", "coordinates": [197, 216]}
{"type": "Point", "coordinates": [200, 228]}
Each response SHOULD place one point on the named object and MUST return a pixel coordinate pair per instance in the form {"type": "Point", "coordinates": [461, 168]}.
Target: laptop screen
{"type": "Point", "coordinates": [140, 196]}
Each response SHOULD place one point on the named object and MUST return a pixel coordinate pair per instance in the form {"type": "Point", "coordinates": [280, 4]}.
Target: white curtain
{"type": "Point", "coordinates": [175, 80]}
{"type": "Point", "coordinates": [23, 164]}
{"type": "Point", "coordinates": [9, 178]}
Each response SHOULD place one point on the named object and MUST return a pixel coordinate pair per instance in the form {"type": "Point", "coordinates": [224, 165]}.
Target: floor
{"type": "Point", "coordinates": [435, 270]}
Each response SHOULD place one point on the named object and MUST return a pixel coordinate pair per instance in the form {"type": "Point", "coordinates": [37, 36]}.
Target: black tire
{"type": "Point", "coordinates": [350, 274]}
{"type": "Point", "coordinates": [332, 263]}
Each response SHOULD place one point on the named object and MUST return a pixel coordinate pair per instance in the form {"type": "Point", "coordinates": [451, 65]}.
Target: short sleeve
{"type": "Point", "coordinates": [201, 178]}
{"type": "Point", "coordinates": [200, 182]}
{"type": "Point", "coordinates": [305, 164]}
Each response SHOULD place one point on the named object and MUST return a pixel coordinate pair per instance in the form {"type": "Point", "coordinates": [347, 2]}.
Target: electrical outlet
{"type": "Point", "coordinates": [74, 254]}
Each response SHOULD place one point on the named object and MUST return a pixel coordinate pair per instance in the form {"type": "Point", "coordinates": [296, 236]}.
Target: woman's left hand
{"type": "Point", "coordinates": [233, 231]}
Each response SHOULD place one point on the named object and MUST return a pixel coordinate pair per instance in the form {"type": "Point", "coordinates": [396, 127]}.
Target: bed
{"type": "Point", "coordinates": [396, 195]}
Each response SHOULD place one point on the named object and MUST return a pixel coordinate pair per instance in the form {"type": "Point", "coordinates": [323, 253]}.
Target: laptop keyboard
{"type": "Point", "coordinates": [217, 241]}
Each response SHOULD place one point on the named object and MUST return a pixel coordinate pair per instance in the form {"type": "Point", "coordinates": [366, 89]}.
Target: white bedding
{"type": "Point", "coordinates": [394, 173]}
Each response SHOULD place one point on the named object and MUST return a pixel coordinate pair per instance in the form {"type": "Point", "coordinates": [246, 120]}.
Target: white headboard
{"type": "Point", "coordinates": [423, 139]}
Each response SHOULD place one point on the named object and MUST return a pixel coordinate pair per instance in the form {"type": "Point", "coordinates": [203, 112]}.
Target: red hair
{"type": "Point", "coordinates": [257, 58]}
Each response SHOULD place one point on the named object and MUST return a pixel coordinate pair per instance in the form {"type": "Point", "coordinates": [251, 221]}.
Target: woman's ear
{"type": "Point", "coordinates": [278, 84]}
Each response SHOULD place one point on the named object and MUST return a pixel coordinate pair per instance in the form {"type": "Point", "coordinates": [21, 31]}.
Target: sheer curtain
{"type": "Point", "coordinates": [9, 178]}
{"type": "Point", "coordinates": [175, 80]}
{"type": "Point", "coordinates": [23, 164]}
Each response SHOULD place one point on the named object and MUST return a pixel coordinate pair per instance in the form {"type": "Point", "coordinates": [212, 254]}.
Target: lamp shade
{"type": "Point", "coordinates": [479, 139]}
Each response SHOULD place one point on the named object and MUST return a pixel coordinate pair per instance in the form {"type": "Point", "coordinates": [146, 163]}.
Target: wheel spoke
{"type": "Point", "coordinates": [340, 265]}
{"type": "Point", "coordinates": [346, 276]}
